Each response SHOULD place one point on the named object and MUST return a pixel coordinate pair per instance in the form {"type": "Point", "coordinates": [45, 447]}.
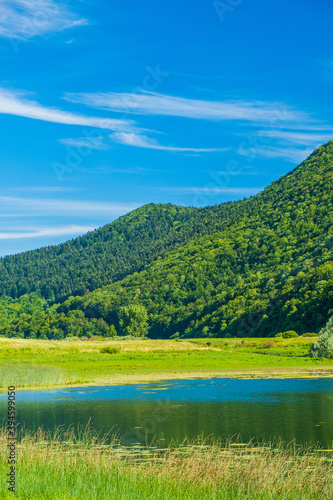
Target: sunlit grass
{"type": "Point", "coordinates": [84, 465]}
{"type": "Point", "coordinates": [41, 363]}
{"type": "Point", "coordinates": [30, 375]}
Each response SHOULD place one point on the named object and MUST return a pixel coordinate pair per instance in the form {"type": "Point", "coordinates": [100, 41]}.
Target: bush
{"type": "Point", "coordinates": [324, 347]}
{"type": "Point", "coordinates": [128, 337]}
{"type": "Point", "coordinates": [290, 334]}
{"type": "Point", "coordinates": [268, 344]}
{"type": "Point", "coordinates": [110, 350]}
{"type": "Point", "coordinates": [311, 334]}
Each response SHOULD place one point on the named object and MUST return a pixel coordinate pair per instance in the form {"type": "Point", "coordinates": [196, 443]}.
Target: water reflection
{"type": "Point", "coordinates": [261, 409]}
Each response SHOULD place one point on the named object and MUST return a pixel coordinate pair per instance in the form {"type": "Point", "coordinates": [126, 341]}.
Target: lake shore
{"type": "Point", "coordinates": [165, 377]}
{"type": "Point", "coordinates": [53, 464]}
{"type": "Point", "coordinates": [40, 364]}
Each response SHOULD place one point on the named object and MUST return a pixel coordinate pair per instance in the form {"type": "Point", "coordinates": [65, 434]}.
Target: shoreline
{"type": "Point", "coordinates": [40, 365]}
{"type": "Point", "coordinates": [165, 377]}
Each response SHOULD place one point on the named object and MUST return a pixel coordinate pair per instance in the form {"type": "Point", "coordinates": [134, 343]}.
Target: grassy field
{"type": "Point", "coordinates": [43, 363]}
{"type": "Point", "coordinates": [60, 465]}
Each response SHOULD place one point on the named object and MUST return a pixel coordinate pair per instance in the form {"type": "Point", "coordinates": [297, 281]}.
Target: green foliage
{"type": "Point", "coordinates": [310, 334]}
{"type": "Point", "coordinates": [23, 318]}
{"type": "Point", "coordinates": [133, 320]}
{"type": "Point", "coordinates": [251, 268]}
{"type": "Point", "coordinates": [287, 335]}
{"type": "Point", "coordinates": [324, 347]}
{"type": "Point", "coordinates": [110, 350]}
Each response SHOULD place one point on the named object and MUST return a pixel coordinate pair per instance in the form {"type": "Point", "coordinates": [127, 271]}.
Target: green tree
{"type": "Point", "coordinates": [324, 347]}
{"type": "Point", "coordinates": [133, 320]}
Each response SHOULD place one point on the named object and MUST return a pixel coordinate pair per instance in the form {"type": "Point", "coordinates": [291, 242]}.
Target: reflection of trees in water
{"type": "Point", "coordinates": [293, 417]}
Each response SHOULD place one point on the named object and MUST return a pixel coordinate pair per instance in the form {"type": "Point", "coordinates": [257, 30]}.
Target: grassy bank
{"type": "Point", "coordinates": [44, 363]}
{"type": "Point", "coordinates": [63, 466]}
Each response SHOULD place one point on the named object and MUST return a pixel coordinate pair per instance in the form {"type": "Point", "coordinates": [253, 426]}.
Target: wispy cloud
{"type": "Point", "coordinates": [14, 206]}
{"type": "Point", "coordinates": [107, 169]}
{"type": "Point", "coordinates": [244, 171]}
{"type": "Point", "coordinates": [15, 103]}
{"type": "Point", "coordinates": [152, 103]}
{"type": "Point", "coordinates": [215, 190]}
{"type": "Point", "coordinates": [296, 137]}
{"type": "Point", "coordinates": [39, 189]}
{"type": "Point", "coordinates": [86, 142]}
{"type": "Point", "coordinates": [294, 155]}
{"type": "Point", "coordinates": [126, 170]}
{"type": "Point", "coordinates": [142, 141]}
{"type": "Point", "coordinates": [70, 230]}
{"type": "Point", "coordinates": [24, 19]}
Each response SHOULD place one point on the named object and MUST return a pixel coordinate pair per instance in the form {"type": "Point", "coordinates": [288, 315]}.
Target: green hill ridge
{"type": "Point", "coordinates": [248, 268]}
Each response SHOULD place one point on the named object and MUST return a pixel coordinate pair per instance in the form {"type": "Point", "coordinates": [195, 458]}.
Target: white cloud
{"type": "Point", "coordinates": [16, 206]}
{"type": "Point", "coordinates": [24, 19]}
{"type": "Point", "coordinates": [294, 155]}
{"type": "Point", "coordinates": [216, 190]}
{"type": "Point", "coordinates": [71, 230]}
{"type": "Point", "coordinates": [40, 189]}
{"type": "Point", "coordinates": [13, 103]}
{"type": "Point", "coordinates": [86, 143]}
{"type": "Point", "coordinates": [142, 141]}
{"type": "Point", "coordinates": [296, 137]}
{"type": "Point", "coordinates": [243, 171]}
{"type": "Point", "coordinates": [152, 103]}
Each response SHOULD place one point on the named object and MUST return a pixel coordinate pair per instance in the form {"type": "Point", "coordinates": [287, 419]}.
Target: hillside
{"type": "Point", "coordinates": [250, 268]}
{"type": "Point", "coordinates": [108, 254]}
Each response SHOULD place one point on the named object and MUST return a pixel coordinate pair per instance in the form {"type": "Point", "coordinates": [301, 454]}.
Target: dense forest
{"type": "Point", "coordinates": [101, 257]}
{"type": "Point", "coordinates": [248, 268]}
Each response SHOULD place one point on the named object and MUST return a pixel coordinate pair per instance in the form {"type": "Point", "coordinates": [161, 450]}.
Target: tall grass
{"type": "Point", "coordinates": [86, 466]}
{"type": "Point", "coordinates": [30, 375]}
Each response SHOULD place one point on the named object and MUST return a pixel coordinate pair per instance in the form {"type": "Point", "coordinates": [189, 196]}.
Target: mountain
{"type": "Point", "coordinates": [109, 254]}
{"type": "Point", "coordinates": [250, 268]}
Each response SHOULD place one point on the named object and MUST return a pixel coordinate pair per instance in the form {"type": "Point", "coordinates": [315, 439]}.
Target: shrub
{"type": "Point", "coordinates": [290, 334]}
{"type": "Point", "coordinates": [110, 350]}
{"type": "Point", "coordinates": [268, 344]}
{"type": "Point", "coordinates": [324, 347]}
{"type": "Point", "coordinates": [128, 337]}
{"type": "Point", "coordinates": [311, 334]}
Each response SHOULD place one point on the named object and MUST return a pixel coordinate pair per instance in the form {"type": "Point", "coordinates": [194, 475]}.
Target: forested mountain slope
{"type": "Point", "coordinates": [269, 271]}
{"type": "Point", "coordinates": [254, 267]}
{"type": "Point", "coordinates": [112, 252]}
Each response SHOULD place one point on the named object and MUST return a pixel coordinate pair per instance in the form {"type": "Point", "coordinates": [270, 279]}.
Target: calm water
{"type": "Point", "coordinates": [263, 409]}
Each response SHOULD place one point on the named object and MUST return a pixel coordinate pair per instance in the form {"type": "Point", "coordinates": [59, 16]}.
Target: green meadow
{"type": "Point", "coordinates": [44, 363]}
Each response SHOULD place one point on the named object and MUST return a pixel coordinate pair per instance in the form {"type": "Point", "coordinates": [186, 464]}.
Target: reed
{"type": "Point", "coordinates": [20, 375]}
{"type": "Point", "coordinates": [81, 464]}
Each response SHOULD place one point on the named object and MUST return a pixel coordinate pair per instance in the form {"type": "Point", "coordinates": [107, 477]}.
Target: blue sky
{"type": "Point", "coordinates": [106, 106]}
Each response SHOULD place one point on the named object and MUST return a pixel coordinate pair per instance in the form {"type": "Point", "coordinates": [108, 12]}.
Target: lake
{"type": "Point", "coordinates": [298, 409]}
